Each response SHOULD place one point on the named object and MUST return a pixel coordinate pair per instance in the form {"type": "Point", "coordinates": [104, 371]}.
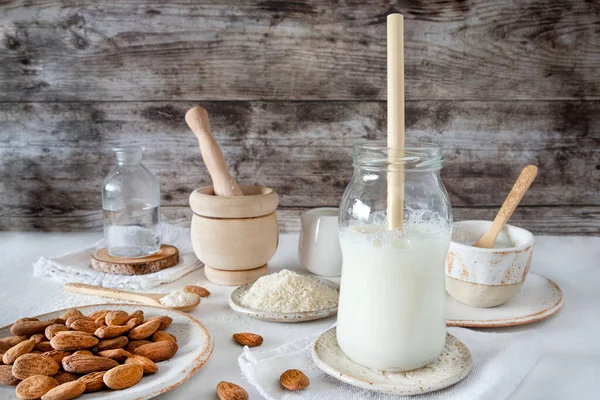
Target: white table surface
{"type": "Point", "coordinates": [568, 369]}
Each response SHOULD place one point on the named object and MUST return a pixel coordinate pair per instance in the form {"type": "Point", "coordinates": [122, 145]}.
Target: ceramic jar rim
{"type": "Point", "coordinates": [529, 239]}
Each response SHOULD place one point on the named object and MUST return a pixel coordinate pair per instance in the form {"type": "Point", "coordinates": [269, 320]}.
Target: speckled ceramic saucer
{"type": "Point", "coordinates": [235, 304]}
{"type": "Point", "coordinates": [451, 366]}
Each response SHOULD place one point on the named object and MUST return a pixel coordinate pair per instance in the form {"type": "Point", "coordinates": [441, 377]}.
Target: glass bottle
{"type": "Point", "coordinates": [392, 298]}
{"type": "Point", "coordinates": [131, 207]}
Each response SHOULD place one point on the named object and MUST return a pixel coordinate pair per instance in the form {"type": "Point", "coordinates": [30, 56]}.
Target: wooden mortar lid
{"type": "Point", "coordinates": [167, 256]}
{"type": "Point", "coordinates": [234, 278]}
{"type": "Point", "coordinates": [256, 202]}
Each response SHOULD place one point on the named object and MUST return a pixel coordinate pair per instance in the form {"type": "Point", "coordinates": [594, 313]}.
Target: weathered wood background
{"type": "Point", "coordinates": [290, 85]}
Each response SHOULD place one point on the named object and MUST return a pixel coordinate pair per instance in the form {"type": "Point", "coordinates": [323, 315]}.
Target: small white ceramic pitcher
{"type": "Point", "coordinates": [319, 246]}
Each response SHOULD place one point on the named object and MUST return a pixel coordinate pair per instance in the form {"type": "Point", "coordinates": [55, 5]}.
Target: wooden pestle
{"type": "Point", "coordinates": [223, 182]}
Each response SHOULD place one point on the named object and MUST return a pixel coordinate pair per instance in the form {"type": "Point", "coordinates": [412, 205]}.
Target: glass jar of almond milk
{"type": "Point", "coordinates": [392, 298]}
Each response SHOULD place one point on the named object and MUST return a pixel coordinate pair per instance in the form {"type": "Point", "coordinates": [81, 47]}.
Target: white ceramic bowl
{"type": "Point", "coordinates": [487, 277]}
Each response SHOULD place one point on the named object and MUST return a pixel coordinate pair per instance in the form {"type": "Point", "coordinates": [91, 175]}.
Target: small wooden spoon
{"type": "Point", "coordinates": [510, 204]}
{"type": "Point", "coordinates": [223, 182]}
{"type": "Point", "coordinates": [151, 299]}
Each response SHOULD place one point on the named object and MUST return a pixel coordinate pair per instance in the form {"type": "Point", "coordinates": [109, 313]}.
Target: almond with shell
{"type": "Point", "coordinates": [52, 330]}
{"type": "Point", "coordinates": [147, 364]}
{"type": "Point", "coordinates": [35, 387]}
{"type": "Point", "coordinates": [6, 376]}
{"type": "Point", "coordinates": [144, 331]}
{"type": "Point", "coordinates": [84, 364]}
{"type": "Point", "coordinates": [164, 321]}
{"type": "Point", "coordinates": [133, 322]}
{"type": "Point", "coordinates": [28, 328]}
{"type": "Point", "coordinates": [84, 325]}
{"type": "Point", "coordinates": [248, 339]}
{"type": "Point", "coordinates": [137, 314]}
{"type": "Point", "coordinates": [197, 290]}
{"type": "Point", "coordinates": [119, 355]}
{"type": "Point", "coordinates": [123, 376]}
{"type": "Point", "coordinates": [66, 391]}
{"type": "Point", "coordinates": [34, 364]}
{"type": "Point", "coordinates": [162, 335]}
{"type": "Point", "coordinates": [71, 313]}
{"type": "Point", "coordinates": [73, 341]}
{"type": "Point", "coordinates": [117, 317]}
{"type": "Point", "coordinates": [17, 351]}
{"type": "Point", "coordinates": [134, 344]}
{"type": "Point", "coordinates": [98, 314]}
{"type": "Point", "coordinates": [158, 351]}
{"type": "Point", "coordinates": [294, 379]}
{"type": "Point", "coordinates": [64, 376]}
{"type": "Point", "coordinates": [231, 391]}
{"type": "Point", "coordinates": [71, 320]}
{"type": "Point", "coordinates": [117, 343]}
{"type": "Point", "coordinates": [100, 321]}
{"type": "Point", "coordinates": [111, 331]}
{"type": "Point", "coordinates": [94, 381]}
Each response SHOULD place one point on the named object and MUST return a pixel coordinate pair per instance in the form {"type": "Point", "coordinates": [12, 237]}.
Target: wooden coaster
{"type": "Point", "coordinates": [234, 278]}
{"type": "Point", "coordinates": [167, 256]}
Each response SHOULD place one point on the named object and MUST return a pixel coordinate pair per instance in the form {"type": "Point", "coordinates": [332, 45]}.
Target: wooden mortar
{"type": "Point", "coordinates": [235, 232]}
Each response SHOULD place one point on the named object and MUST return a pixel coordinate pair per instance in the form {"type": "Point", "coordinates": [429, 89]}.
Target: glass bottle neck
{"type": "Point", "coordinates": [129, 155]}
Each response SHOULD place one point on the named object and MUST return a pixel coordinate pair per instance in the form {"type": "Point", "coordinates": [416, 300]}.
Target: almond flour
{"type": "Point", "coordinates": [287, 292]}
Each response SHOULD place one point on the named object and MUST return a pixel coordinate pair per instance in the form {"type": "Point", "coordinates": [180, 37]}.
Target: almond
{"type": "Point", "coordinates": [57, 355]}
{"type": "Point", "coordinates": [53, 321]}
{"type": "Point", "coordinates": [116, 318]}
{"type": "Point", "coordinates": [6, 376]}
{"type": "Point", "coordinates": [35, 387]}
{"type": "Point", "coordinates": [73, 333]}
{"type": "Point", "coordinates": [13, 340]}
{"type": "Point", "coordinates": [4, 347]}
{"type": "Point", "coordinates": [144, 330]}
{"type": "Point", "coordinates": [66, 391]}
{"type": "Point", "coordinates": [147, 364]}
{"type": "Point", "coordinates": [83, 353]}
{"type": "Point", "coordinates": [135, 344]}
{"type": "Point", "coordinates": [34, 364]}
{"type": "Point", "coordinates": [248, 339]}
{"type": "Point", "coordinates": [28, 328]}
{"type": "Point", "coordinates": [158, 351]}
{"type": "Point", "coordinates": [123, 376]}
{"type": "Point", "coordinates": [164, 321]}
{"type": "Point", "coordinates": [231, 391]}
{"type": "Point", "coordinates": [53, 329]}
{"type": "Point", "coordinates": [73, 341]}
{"type": "Point", "coordinates": [27, 319]}
{"type": "Point", "coordinates": [119, 355]}
{"type": "Point", "coordinates": [17, 351]}
{"type": "Point", "coordinates": [84, 325]}
{"type": "Point", "coordinates": [39, 337]}
{"type": "Point", "coordinates": [111, 331]}
{"type": "Point", "coordinates": [133, 322]}
{"type": "Point", "coordinates": [94, 381]}
{"type": "Point", "coordinates": [74, 319]}
{"type": "Point", "coordinates": [43, 347]}
{"type": "Point", "coordinates": [294, 379]}
{"type": "Point", "coordinates": [84, 364]}
{"type": "Point", "coordinates": [116, 343]}
{"type": "Point", "coordinates": [137, 314]}
{"type": "Point", "coordinates": [98, 314]}
{"type": "Point", "coordinates": [64, 376]}
{"type": "Point", "coordinates": [100, 321]}
{"type": "Point", "coordinates": [197, 290]}
{"type": "Point", "coordinates": [161, 335]}
{"type": "Point", "coordinates": [71, 313]}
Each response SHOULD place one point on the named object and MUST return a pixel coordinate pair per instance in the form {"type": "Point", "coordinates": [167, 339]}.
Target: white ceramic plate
{"type": "Point", "coordinates": [195, 348]}
{"type": "Point", "coordinates": [538, 299]}
{"type": "Point", "coordinates": [452, 365]}
{"type": "Point", "coordinates": [234, 303]}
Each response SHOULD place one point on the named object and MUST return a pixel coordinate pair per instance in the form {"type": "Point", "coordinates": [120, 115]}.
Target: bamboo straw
{"type": "Point", "coordinates": [395, 119]}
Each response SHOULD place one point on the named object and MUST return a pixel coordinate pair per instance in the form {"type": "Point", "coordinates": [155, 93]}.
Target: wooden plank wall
{"type": "Point", "coordinates": [290, 85]}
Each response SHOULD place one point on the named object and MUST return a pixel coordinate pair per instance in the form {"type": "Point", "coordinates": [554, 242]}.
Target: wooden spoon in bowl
{"type": "Point", "coordinates": [510, 204]}
{"type": "Point", "coordinates": [151, 299]}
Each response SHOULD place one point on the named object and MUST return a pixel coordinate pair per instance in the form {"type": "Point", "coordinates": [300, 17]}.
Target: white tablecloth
{"type": "Point", "coordinates": [569, 367]}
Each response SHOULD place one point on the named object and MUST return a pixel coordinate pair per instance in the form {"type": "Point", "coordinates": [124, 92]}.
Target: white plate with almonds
{"type": "Point", "coordinates": [179, 351]}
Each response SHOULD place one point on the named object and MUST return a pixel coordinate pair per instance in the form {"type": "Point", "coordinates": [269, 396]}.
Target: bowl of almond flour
{"type": "Point", "coordinates": [286, 296]}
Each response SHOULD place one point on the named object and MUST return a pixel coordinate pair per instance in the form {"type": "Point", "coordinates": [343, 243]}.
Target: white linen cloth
{"type": "Point", "coordinates": [500, 362]}
{"type": "Point", "coordinates": [75, 266]}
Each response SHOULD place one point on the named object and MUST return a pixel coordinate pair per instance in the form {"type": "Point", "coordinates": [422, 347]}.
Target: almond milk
{"type": "Point", "coordinates": [392, 299]}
